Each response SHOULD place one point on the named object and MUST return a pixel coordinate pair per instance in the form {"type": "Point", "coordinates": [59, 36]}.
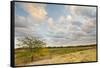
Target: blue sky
{"type": "Point", "coordinates": [57, 25]}
{"type": "Point", "coordinates": [55, 11]}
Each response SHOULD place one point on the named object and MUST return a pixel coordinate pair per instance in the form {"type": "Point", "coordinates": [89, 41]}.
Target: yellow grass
{"type": "Point", "coordinates": [55, 55]}
{"type": "Point", "coordinates": [81, 56]}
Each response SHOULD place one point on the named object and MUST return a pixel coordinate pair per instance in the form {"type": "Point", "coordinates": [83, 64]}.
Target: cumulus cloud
{"type": "Point", "coordinates": [77, 26]}
{"type": "Point", "coordinates": [25, 26]}
{"type": "Point", "coordinates": [23, 21]}
{"type": "Point", "coordinates": [69, 18]}
{"type": "Point", "coordinates": [83, 10]}
{"type": "Point", "coordinates": [50, 23]}
{"type": "Point", "coordinates": [37, 11]}
{"type": "Point", "coordinates": [88, 25]}
{"type": "Point", "coordinates": [29, 23]}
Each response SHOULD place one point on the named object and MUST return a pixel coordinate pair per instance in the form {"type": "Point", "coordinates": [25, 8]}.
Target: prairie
{"type": "Point", "coordinates": [56, 55]}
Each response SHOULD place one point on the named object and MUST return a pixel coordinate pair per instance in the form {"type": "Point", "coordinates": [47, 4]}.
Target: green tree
{"type": "Point", "coordinates": [32, 44]}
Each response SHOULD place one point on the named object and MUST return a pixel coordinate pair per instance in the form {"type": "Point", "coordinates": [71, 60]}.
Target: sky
{"type": "Point", "coordinates": [56, 25]}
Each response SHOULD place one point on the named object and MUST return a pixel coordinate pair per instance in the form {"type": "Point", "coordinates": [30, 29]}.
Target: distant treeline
{"type": "Point", "coordinates": [93, 45]}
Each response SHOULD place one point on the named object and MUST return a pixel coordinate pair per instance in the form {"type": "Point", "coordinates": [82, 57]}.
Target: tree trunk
{"type": "Point", "coordinates": [32, 58]}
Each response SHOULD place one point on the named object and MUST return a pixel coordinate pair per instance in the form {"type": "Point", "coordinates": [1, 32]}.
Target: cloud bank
{"type": "Point", "coordinates": [76, 26]}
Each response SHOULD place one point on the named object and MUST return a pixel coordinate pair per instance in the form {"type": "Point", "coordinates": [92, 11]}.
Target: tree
{"type": "Point", "coordinates": [32, 44]}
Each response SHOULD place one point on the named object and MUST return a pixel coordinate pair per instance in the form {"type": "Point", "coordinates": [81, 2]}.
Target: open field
{"type": "Point", "coordinates": [53, 55]}
{"type": "Point", "coordinates": [81, 56]}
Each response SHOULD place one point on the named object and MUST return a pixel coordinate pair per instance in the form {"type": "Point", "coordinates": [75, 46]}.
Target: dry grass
{"type": "Point", "coordinates": [56, 55]}
{"type": "Point", "coordinates": [81, 56]}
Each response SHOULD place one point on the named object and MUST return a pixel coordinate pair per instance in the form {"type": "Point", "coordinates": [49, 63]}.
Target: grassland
{"type": "Point", "coordinates": [53, 55]}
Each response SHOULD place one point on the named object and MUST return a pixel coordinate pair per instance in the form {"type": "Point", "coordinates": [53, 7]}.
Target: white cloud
{"type": "Point", "coordinates": [24, 26]}
{"type": "Point", "coordinates": [69, 18]}
{"type": "Point", "coordinates": [78, 26]}
{"type": "Point", "coordinates": [83, 10]}
{"type": "Point", "coordinates": [61, 19]}
{"type": "Point", "coordinates": [50, 23]}
{"type": "Point", "coordinates": [37, 11]}
{"type": "Point", "coordinates": [88, 24]}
